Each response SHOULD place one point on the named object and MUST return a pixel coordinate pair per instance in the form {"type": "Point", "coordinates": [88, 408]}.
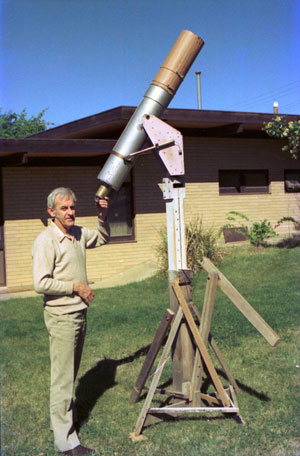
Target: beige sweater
{"type": "Point", "coordinates": [57, 264]}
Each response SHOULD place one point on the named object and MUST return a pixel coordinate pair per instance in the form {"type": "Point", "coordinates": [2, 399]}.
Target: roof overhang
{"type": "Point", "coordinates": [191, 122]}
{"type": "Point", "coordinates": [95, 136]}
{"type": "Point", "coordinates": [20, 151]}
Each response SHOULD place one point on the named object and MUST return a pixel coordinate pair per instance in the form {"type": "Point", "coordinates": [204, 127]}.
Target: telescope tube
{"type": "Point", "coordinates": [155, 101]}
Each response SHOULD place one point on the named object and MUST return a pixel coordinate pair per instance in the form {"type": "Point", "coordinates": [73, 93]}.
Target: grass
{"type": "Point", "coordinates": [121, 324]}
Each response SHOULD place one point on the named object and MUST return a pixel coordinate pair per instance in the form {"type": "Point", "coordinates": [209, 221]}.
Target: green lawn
{"type": "Point", "coordinates": [122, 322]}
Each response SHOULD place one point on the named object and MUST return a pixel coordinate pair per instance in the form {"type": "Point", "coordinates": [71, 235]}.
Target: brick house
{"type": "Point", "coordinates": [230, 165]}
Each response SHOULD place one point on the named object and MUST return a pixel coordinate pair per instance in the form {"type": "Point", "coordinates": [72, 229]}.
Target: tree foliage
{"type": "Point", "coordinates": [280, 128]}
{"type": "Point", "coordinates": [13, 125]}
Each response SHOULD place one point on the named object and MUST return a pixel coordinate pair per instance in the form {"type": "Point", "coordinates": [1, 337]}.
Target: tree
{"type": "Point", "coordinates": [280, 128]}
{"type": "Point", "coordinates": [13, 125]}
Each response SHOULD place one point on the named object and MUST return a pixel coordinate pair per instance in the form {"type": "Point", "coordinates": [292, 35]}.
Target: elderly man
{"type": "Point", "coordinates": [59, 273]}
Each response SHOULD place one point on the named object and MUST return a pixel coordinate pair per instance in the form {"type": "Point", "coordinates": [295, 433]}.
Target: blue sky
{"type": "Point", "coordinates": [81, 57]}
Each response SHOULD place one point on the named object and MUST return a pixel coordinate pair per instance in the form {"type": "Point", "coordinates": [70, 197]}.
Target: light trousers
{"type": "Point", "coordinates": [66, 338]}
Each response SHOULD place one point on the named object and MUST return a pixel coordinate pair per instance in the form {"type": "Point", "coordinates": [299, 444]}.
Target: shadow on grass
{"type": "Point", "coordinates": [102, 376]}
{"type": "Point", "coordinates": [96, 381]}
{"type": "Point", "coordinates": [247, 389]}
{"type": "Point", "coordinates": [286, 243]}
{"type": "Point", "coordinates": [207, 383]}
{"type": "Point", "coordinates": [252, 392]}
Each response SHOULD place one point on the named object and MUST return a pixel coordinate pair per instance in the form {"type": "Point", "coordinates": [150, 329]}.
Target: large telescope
{"type": "Point", "coordinates": [155, 101]}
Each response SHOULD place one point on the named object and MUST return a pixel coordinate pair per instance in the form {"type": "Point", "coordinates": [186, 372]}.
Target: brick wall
{"type": "Point", "coordinates": [207, 156]}
{"type": "Point", "coordinates": [26, 188]}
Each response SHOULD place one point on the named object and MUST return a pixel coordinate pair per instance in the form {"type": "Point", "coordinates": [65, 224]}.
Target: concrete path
{"type": "Point", "coordinates": [135, 274]}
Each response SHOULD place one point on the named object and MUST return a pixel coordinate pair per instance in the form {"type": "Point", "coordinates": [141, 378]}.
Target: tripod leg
{"type": "Point", "coordinates": [156, 377]}
{"type": "Point", "coordinates": [151, 355]}
{"type": "Point", "coordinates": [210, 293]}
{"type": "Point", "coordinates": [201, 345]}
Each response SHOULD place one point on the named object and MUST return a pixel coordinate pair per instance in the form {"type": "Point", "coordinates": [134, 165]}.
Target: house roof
{"type": "Point", "coordinates": [191, 122]}
{"type": "Point", "coordinates": [96, 135]}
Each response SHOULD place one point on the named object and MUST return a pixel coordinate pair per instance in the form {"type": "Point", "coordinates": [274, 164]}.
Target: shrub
{"type": "Point", "coordinates": [256, 232]}
{"type": "Point", "coordinates": [200, 242]}
{"type": "Point", "coordinates": [162, 250]}
{"type": "Point", "coordinates": [280, 128]}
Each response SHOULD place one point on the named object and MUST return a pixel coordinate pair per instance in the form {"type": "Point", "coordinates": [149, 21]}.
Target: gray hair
{"type": "Point", "coordinates": [62, 192]}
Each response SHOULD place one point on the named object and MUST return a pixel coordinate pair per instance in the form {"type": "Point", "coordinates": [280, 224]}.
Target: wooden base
{"type": "Point", "coordinates": [221, 401]}
{"type": "Point", "coordinates": [191, 399]}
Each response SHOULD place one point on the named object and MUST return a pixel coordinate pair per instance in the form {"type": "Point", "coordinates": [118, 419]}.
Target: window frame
{"type": "Point", "coordinates": [242, 188]}
{"type": "Point", "coordinates": [291, 171]}
{"type": "Point", "coordinates": [130, 237]}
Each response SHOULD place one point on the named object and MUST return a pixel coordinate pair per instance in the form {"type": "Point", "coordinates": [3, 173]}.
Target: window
{"type": "Point", "coordinates": [292, 180]}
{"type": "Point", "coordinates": [120, 214]}
{"type": "Point", "coordinates": [243, 181]}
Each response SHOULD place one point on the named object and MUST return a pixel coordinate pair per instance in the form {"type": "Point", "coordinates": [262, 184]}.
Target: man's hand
{"type": "Point", "coordinates": [84, 291]}
{"type": "Point", "coordinates": [103, 208]}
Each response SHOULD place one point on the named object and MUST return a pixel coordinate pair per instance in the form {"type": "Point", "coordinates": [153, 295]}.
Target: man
{"type": "Point", "coordinates": [59, 273]}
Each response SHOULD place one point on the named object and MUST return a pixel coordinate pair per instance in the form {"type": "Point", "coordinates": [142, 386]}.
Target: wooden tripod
{"type": "Point", "coordinates": [186, 339]}
{"type": "Point", "coordinates": [194, 400]}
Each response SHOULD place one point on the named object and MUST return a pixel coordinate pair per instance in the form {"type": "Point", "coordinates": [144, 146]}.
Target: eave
{"type": "Point", "coordinates": [85, 140]}
{"type": "Point", "coordinates": [191, 122]}
{"type": "Point", "coordinates": [34, 151]}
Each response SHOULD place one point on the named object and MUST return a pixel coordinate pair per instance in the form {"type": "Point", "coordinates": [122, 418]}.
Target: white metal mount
{"type": "Point", "coordinates": [172, 157]}
{"type": "Point", "coordinates": [168, 145]}
{"type": "Point", "coordinates": [160, 132]}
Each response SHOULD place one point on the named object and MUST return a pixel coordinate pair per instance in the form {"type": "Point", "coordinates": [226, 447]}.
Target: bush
{"type": "Point", "coordinates": [280, 128]}
{"type": "Point", "coordinates": [162, 250]}
{"type": "Point", "coordinates": [256, 232]}
{"type": "Point", "coordinates": [200, 242]}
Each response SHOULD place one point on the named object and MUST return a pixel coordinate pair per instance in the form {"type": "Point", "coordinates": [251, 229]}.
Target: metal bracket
{"type": "Point", "coordinates": [160, 132]}
{"type": "Point", "coordinates": [155, 148]}
{"type": "Point", "coordinates": [173, 188]}
{"type": "Point", "coordinates": [167, 144]}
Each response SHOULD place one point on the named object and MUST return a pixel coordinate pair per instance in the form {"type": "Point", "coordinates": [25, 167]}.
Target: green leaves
{"type": "Point", "coordinates": [13, 125]}
{"type": "Point", "coordinates": [281, 129]}
{"type": "Point", "coordinates": [200, 241]}
{"type": "Point", "coordinates": [256, 232]}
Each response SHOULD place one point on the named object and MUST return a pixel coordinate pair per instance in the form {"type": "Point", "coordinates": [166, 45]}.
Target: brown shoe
{"type": "Point", "coordinates": [79, 450]}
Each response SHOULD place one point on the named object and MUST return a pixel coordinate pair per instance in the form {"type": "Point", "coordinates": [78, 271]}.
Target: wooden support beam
{"type": "Point", "coordinates": [152, 353]}
{"type": "Point", "coordinates": [182, 349]}
{"type": "Point", "coordinates": [174, 394]}
{"type": "Point", "coordinates": [240, 302]}
{"type": "Point", "coordinates": [217, 351]}
{"type": "Point", "coordinates": [201, 345]}
{"type": "Point", "coordinates": [208, 398]}
{"type": "Point", "coordinates": [157, 374]}
{"type": "Point", "coordinates": [179, 410]}
{"type": "Point", "coordinates": [209, 299]}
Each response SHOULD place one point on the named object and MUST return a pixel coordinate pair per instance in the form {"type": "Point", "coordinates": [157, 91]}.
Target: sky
{"type": "Point", "coordinates": [81, 57]}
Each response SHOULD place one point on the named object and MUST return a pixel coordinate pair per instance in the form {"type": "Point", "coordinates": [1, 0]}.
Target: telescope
{"type": "Point", "coordinates": [156, 99]}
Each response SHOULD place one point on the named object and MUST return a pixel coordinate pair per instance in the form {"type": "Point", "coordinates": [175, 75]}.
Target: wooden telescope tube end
{"type": "Point", "coordinates": [178, 62]}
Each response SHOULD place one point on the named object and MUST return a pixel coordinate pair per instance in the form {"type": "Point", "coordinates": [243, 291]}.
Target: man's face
{"type": "Point", "coordinates": [64, 213]}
